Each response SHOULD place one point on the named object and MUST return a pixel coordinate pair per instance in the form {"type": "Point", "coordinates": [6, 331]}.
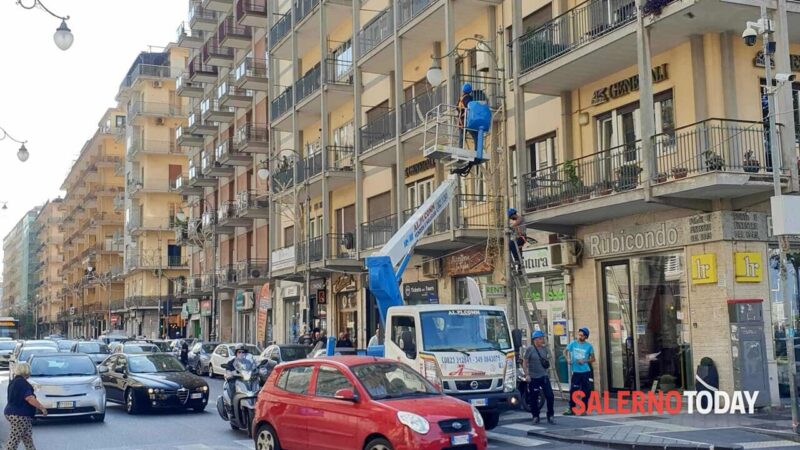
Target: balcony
{"type": "Point", "coordinates": [337, 169]}
{"type": "Point", "coordinates": [217, 55]}
{"type": "Point", "coordinates": [137, 146]}
{"type": "Point", "coordinates": [252, 205]}
{"type": "Point", "coordinates": [157, 72]}
{"type": "Point", "coordinates": [213, 111]}
{"type": "Point", "coordinates": [209, 220]}
{"type": "Point", "coordinates": [137, 224]}
{"type": "Point", "coordinates": [207, 282]}
{"type": "Point", "coordinates": [194, 228]}
{"type": "Point", "coordinates": [218, 5]}
{"type": "Point", "coordinates": [252, 139]}
{"type": "Point", "coordinates": [696, 164]}
{"type": "Point", "coordinates": [194, 286]}
{"type": "Point", "coordinates": [377, 54]}
{"type": "Point", "coordinates": [339, 252]}
{"type": "Point", "coordinates": [228, 220]}
{"type": "Point", "coordinates": [148, 185]}
{"type": "Point", "coordinates": [189, 38]}
{"type": "Point", "coordinates": [376, 233]}
{"type": "Point", "coordinates": [152, 109]}
{"type": "Point", "coordinates": [476, 216]}
{"type": "Point", "coordinates": [198, 125]}
{"type": "Point", "coordinates": [188, 88]}
{"type": "Point", "coordinates": [252, 272]}
{"type": "Point", "coordinates": [184, 138]}
{"type": "Point", "coordinates": [375, 137]}
{"type": "Point", "coordinates": [279, 31]}
{"type": "Point", "coordinates": [338, 79]}
{"type": "Point", "coordinates": [234, 35]}
{"type": "Point", "coordinates": [202, 19]}
{"type": "Point", "coordinates": [412, 117]}
{"type": "Point", "coordinates": [227, 153]}
{"type": "Point", "coordinates": [279, 107]}
{"type": "Point", "coordinates": [196, 176]}
{"type": "Point", "coordinates": [226, 279]}
{"type": "Point", "coordinates": [252, 74]}
{"type": "Point", "coordinates": [213, 168]}
{"type": "Point", "coordinates": [185, 188]}
{"type": "Point", "coordinates": [252, 13]}
{"type": "Point", "coordinates": [231, 96]}
{"type": "Point", "coordinates": [202, 73]}
{"type": "Point", "coordinates": [283, 178]}
{"type": "Point", "coordinates": [181, 232]}
{"type": "Point", "coordinates": [180, 288]}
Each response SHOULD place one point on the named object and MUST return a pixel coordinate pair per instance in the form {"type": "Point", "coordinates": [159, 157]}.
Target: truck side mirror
{"type": "Point", "coordinates": [516, 336]}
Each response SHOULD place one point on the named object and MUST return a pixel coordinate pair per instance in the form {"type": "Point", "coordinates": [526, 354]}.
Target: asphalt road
{"type": "Point", "coordinates": [203, 431]}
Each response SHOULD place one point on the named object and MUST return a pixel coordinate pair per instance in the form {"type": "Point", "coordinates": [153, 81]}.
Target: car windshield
{"type": "Point", "coordinates": [140, 348]}
{"type": "Point", "coordinates": [208, 348]}
{"type": "Point", "coordinates": [163, 346]}
{"type": "Point", "coordinates": [7, 345]}
{"type": "Point", "coordinates": [465, 330]}
{"type": "Point", "coordinates": [27, 352]}
{"type": "Point", "coordinates": [49, 344]}
{"type": "Point", "coordinates": [62, 366]}
{"type": "Point", "coordinates": [294, 353]}
{"type": "Point", "coordinates": [92, 347]}
{"type": "Point", "coordinates": [392, 380]}
{"type": "Point", "coordinates": [154, 364]}
{"type": "Point", "coordinates": [65, 345]}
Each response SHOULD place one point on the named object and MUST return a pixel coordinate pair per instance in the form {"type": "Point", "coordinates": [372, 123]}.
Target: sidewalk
{"type": "Point", "coordinates": [679, 431]}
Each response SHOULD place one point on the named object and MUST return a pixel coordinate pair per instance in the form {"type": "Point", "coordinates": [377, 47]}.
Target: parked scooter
{"type": "Point", "coordinates": [248, 377]}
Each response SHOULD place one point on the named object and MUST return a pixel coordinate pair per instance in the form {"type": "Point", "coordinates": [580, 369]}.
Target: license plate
{"type": "Point", "coordinates": [65, 405]}
{"type": "Point", "coordinates": [478, 402]}
{"type": "Point", "coordinates": [462, 439]}
{"type": "Point", "coordinates": [196, 395]}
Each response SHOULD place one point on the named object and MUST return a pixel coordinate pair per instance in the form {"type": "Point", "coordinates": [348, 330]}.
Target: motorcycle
{"type": "Point", "coordinates": [248, 377]}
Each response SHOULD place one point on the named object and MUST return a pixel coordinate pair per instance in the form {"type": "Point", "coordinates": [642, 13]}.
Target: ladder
{"type": "Point", "coordinates": [532, 316]}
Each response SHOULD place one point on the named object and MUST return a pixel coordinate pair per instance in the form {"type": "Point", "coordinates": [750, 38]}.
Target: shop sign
{"type": "Point", "coordinates": [626, 86]}
{"type": "Point", "coordinates": [193, 306]}
{"type": "Point", "coordinates": [345, 283]}
{"type": "Point", "coordinates": [494, 291]}
{"type": "Point", "coordinates": [240, 300]}
{"type": "Point", "coordinates": [794, 61]}
{"type": "Point", "coordinates": [422, 166]}
{"type": "Point", "coordinates": [468, 262]}
{"type": "Point", "coordinates": [421, 292]}
{"type": "Point", "coordinates": [205, 308]}
{"type": "Point", "coordinates": [748, 267]}
{"type": "Point", "coordinates": [704, 268]}
{"type": "Point", "coordinates": [291, 291]}
{"type": "Point", "coordinates": [114, 319]}
{"type": "Point", "coordinates": [537, 260]}
{"type": "Point", "coordinates": [648, 237]}
{"type": "Point", "coordinates": [263, 308]}
{"type": "Point", "coordinates": [184, 312]}
{"type": "Point", "coordinates": [322, 298]}
{"type": "Point", "coordinates": [283, 258]}
{"type": "Point", "coordinates": [556, 294]}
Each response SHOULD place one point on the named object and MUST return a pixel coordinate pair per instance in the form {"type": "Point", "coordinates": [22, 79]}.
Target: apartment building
{"type": "Point", "coordinates": [92, 228]}
{"type": "Point", "coordinates": [226, 216]}
{"type": "Point", "coordinates": [50, 308]}
{"type": "Point", "coordinates": [154, 260]}
{"type": "Point", "coordinates": [19, 270]}
{"type": "Point", "coordinates": [664, 200]}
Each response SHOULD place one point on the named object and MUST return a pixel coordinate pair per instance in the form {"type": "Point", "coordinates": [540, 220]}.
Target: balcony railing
{"type": "Point", "coordinates": [376, 31]}
{"type": "Point", "coordinates": [341, 158]}
{"type": "Point", "coordinates": [226, 276]}
{"type": "Point", "coordinates": [250, 200]}
{"type": "Point", "coordinates": [282, 104]}
{"type": "Point", "coordinates": [250, 134]}
{"type": "Point", "coordinates": [413, 112]}
{"type": "Point", "coordinates": [308, 84]}
{"type": "Point", "coordinates": [244, 7]}
{"type": "Point", "coordinates": [378, 131]}
{"type": "Point", "coordinates": [136, 145]}
{"type": "Point", "coordinates": [341, 246]}
{"type": "Point", "coordinates": [283, 178]}
{"type": "Point", "coordinates": [252, 270]}
{"type": "Point", "coordinates": [251, 67]}
{"type": "Point", "coordinates": [196, 67]}
{"type": "Point", "coordinates": [473, 212]}
{"type": "Point", "coordinates": [226, 210]}
{"type": "Point", "coordinates": [152, 108]}
{"type": "Point", "coordinates": [377, 232]}
{"type": "Point", "coordinates": [303, 7]}
{"type": "Point", "coordinates": [280, 30]}
{"type": "Point", "coordinates": [213, 49]}
{"type": "Point", "coordinates": [147, 70]}
{"type": "Point", "coordinates": [229, 28]}
{"type": "Point", "coordinates": [576, 27]}
{"type": "Point", "coordinates": [410, 9]}
{"type": "Point", "coordinates": [338, 71]}
{"type": "Point", "coordinates": [198, 12]}
{"type": "Point", "coordinates": [311, 165]}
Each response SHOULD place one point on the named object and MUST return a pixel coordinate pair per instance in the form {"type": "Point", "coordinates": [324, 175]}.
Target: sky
{"type": "Point", "coordinates": [54, 99]}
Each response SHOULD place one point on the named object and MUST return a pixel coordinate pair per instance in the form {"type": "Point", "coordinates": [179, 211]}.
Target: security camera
{"type": "Point", "coordinates": [784, 77]}
{"type": "Point", "coordinates": [749, 37]}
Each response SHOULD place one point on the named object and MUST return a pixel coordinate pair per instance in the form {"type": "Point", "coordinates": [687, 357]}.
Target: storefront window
{"type": "Point", "coordinates": [348, 315]}
{"type": "Point", "coordinates": [779, 313]}
{"type": "Point", "coordinates": [292, 319]}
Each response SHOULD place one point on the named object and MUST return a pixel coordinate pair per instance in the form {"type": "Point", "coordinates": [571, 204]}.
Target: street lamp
{"type": "Point", "coordinates": [63, 36]}
{"type": "Point", "coordinates": [22, 153]}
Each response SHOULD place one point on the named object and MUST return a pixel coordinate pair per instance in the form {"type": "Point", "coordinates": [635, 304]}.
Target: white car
{"type": "Point", "coordinates": [68, 384]}
{"type": "Point", "coordinates": [222, 354]}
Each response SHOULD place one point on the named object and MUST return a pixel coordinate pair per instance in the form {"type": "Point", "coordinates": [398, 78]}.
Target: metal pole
{"type": "Point", "coordinates": [783, 241]}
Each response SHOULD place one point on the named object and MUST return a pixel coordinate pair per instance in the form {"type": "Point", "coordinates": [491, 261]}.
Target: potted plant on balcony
{"type": "Point", "coordinates": [573, 184]}
{"type": "Point", "coordinates": [628, 176]}
{"type": "Point", "coordinates": [584, 193]}
{"type": "Point", "coordinates": [713, 161]}
{"type": "Point", "coordinates": [679, 172]}
{"type": "Point", "coordinates": [750, 164]}
{"type": "Point", "coordinates": [603, 188]}
{"type": "Point", "coordinates": [661, 177]}
{"type": "Point", "coordinates": [654, 7]}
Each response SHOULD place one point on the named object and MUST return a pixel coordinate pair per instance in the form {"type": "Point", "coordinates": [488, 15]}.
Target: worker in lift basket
{"type": "Point", "coordinates": [463, 103]}
{"type": "Point", "coordinates": [518, 238]}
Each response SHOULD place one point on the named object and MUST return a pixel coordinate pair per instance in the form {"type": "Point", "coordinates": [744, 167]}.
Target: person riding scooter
{"type": "Point", "coordinates": [240, 353]}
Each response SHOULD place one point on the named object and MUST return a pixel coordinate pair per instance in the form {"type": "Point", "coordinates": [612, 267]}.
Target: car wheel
{"type": "Point", "coordinates": [131, 403]}
{"type": "Point", "coordinates": [490, 420]}
{"type": "Point", "coordinates": [233, 427]}
{"type": "Point", "coordinates": [266, 438]}
{"type": "Point", "coordinates": [210, 370]}
{"type": "Point", "coordinates": [379, 444]}
{"type": "Point", "coordinates": [99, 417]}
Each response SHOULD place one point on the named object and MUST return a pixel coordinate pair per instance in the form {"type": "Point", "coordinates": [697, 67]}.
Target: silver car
{"type": "Point", "coordinates": [68, 384]}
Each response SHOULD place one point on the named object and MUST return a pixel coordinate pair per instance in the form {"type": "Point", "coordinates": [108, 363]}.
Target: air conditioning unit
{"type": "Point", "coordinates": [160, 120]}
{"type": "Point", "coordinates": [432, 268]}
{"type": "Point", "coordinates": [158, 84]}
{"type": "Point", "coordinates": [255, 273]}
{"type": "Point", "coordinates": [563, 254]}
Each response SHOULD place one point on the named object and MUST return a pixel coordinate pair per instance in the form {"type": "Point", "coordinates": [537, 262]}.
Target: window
{"type": "Point", "coordinates": [344, 135]}
{"type": "Point", "coordinates": [537, 18]}
{"type": "Point", "coordinates": [119, 121]}
{"type": "Point", "coordinates": [379, 206]}
{"type": "Point", "coordinates": [288, 236]}
{"type": "Point", "coordinates": [298, 379]}
{"type": "Point", "coordinates": [346, 219]}
{"type": "Point", "coordinates": [543, 152]}
{"type": "Point", "coordinates": [404, 333]}
{"type": "Point", "coordinates": [330, 380]}
{"type": "Point", "coordinates": [620, 129]}
{"type": "Point", "coordinates": [418, 192]}
{"type": "Point", "coordinates": [281, 383]}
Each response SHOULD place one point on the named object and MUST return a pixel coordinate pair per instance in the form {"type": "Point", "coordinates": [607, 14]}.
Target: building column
{"type": "Point", "coordinates": [395, 100]}
{"type": "Point", "coordinates": [359, 175]}
{"type": "Point", "coordinates": [699, 77]}
{"type": "Point", "coordinates": [646, 108]}
{"type": "Point", "coordinates": [728, 71]}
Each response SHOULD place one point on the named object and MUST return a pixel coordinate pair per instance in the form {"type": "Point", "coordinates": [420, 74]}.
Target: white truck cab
{"type": "Point", "coordinates": [467, 350]}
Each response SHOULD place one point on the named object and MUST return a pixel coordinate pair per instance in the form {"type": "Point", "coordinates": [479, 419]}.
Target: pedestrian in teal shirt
{"type": "Point", "coordinates": [580, 354]}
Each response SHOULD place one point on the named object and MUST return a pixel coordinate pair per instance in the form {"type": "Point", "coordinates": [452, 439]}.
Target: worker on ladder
{"type": "Point", "coordinates": [463, 104]}
{"type": "Point", "coordinates": [518, 238]}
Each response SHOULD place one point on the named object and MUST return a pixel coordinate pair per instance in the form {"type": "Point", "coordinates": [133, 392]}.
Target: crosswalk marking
{"type": "Point", "coordinates": [245, 443]}
{"type": "Point", "coordinates": [519, 441]}
{"type": "Point", "coordinates": [524, 427]}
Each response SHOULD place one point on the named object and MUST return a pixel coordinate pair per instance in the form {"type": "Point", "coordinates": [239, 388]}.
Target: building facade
{"type": "Point", "coordinates": [154, 261]}
{"type": "Point", "coordinates": [20, 262]}
{"type": "Point", "coordinates": [50, 309]}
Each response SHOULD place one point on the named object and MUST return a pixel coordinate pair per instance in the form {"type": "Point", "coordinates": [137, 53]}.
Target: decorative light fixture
{"type": "Point", "coordinates": [5, 205]}
{"type": "Point", "coordinates": [434, 75]}
{"type": "Point", "coordinates": [263, 170]}
{"type": "Point", "coordinates": [22, 153]}
{"type": "Point", "coordinates": [63, 36]}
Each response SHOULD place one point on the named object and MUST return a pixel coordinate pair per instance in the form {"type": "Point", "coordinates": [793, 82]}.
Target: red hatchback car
{"type": "Point", "coordinates": [357, 402]}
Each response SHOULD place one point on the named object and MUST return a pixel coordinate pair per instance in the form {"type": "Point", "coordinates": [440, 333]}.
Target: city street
{"type": "Point", "coordinates": [191, 431]}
